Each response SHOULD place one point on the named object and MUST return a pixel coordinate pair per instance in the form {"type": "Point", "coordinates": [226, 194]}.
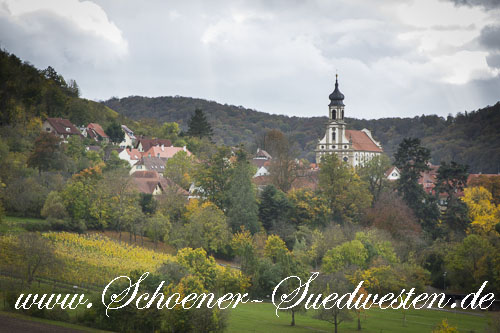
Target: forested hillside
{"type": "Point", "coordinates": [27, 93]}
{"type": "Point", "coordinates": [472, 137]}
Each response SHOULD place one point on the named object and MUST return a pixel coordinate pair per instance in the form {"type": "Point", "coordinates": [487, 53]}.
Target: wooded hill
{"type": "Point", "coordinates": [472, 138]}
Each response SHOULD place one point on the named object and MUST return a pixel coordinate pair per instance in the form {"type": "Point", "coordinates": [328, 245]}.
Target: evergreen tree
{"type": "Point", "coordinates": [243, 209]}
{"type": "Point", "coordinates": [452, 179]}
{"type": "Point", "coordinates": [115, 133]}
{"type": "Point", "coordinates": [412, 159]}
{"type": "Point", "coordinates": [274, 206]}
{"type": "Point", "coordinates": [199, 126]}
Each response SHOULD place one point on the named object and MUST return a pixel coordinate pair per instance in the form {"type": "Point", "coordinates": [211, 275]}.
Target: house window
{"type": "Point", "coordinates": [48, 129]}
{"type": "Point", "coordinates": [139, 167]}
{"type": "Point", "coordinates": [158, 155]}
{"type": "Point", "coordinates": [68, 129]}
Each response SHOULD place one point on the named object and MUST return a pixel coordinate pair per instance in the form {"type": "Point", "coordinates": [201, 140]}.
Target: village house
{"type": "Point", "coordinates": [352, 146]}
{"type": "Point", "coordinates": [129, 138]}
{"type": "Point", "coordinates": [150, 182]}
{"type": "Point", "coordinates": [393, 174]}
{"type": "Point", "coordinates": [164, 151]}
{"type": "Point", "coordinates": [262, 160]}
{"type": "Point", "coordinates": [149, 164]}
{"type": "Point", "coordinates": [95, 131]}
{"type": "Point", "coordinates": [143, 144]}
{"type": "Point", "coordinates": [132, 156]}
{"type": "Point", "coordinates": [63, 128]}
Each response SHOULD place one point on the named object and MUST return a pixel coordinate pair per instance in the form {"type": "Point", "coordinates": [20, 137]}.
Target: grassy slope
{"type": "Point", "coordinates": [256, 317]}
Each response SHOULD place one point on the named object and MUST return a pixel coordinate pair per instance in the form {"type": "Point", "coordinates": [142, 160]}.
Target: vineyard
{"type": "Point", "coordinates": [87, 259]}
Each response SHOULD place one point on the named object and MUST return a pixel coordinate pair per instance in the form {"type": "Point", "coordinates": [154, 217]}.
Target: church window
{"type": "Point", "coordinates": [333, 136]}
{"type": "Point", "coordinates": [334, 114]}
{"type": "Point", "coordinates": [322, 147]}
{"type": "Point", "coordinates": [345, 159]}
{"type": "Point", "coordinates": [345, 147]}
{"type": "Point", "coordinates": [333, 147]}
{"type": "Point", "coordinates": [342, 114]}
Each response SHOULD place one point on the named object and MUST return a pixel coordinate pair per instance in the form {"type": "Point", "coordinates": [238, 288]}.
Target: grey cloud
{"type": "Point", "coordinates": [488, 4]}
{"type": "Point", "coordinates": [490, 37]}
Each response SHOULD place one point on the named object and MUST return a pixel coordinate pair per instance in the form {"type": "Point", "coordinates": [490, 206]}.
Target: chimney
{"type": "Point", "coordinates": [162, 147]}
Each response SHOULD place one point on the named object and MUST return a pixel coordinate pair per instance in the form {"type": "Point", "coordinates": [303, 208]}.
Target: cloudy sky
{"type": "Point", "coordinates": [393, 57]}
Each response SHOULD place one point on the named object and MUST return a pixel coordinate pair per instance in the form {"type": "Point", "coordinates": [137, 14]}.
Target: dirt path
{"type": "Point", "coordinates": [13, 325]}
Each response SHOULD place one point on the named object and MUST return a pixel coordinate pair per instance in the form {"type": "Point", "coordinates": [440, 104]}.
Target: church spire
{"type": "Point", "coordinates": [336, 97]}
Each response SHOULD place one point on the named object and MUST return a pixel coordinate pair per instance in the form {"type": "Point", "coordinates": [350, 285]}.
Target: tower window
{"type": "Point", "coordinates": [345, 159]}
{"type": "Point", "coordinates": [334, 114]}
{"type": "Point", "coordinates": [333, 147]}
{"type": "Point", "coordinates": [333, 136]}
{"type": "Point", "coordinates": [342, 114]}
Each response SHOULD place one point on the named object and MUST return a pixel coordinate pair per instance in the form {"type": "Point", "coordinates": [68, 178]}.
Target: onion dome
{"type": "Point", "coordinates": [336, 97]}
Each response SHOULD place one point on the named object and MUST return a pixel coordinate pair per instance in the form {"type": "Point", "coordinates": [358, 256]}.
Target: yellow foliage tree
{"type": "Point", "coordinates": [483, 213]}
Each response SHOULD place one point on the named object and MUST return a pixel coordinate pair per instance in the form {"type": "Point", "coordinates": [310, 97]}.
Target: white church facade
{"type": "Point", "coordinates": [351, 146]}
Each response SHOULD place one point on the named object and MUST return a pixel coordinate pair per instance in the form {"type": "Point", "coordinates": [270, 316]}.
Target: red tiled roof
{"type": "Point", "coordinates": [148, 143]}
{"type": "Point", "coordinates": [60, 125]}
{"type": "Point", "coordinates": [94, 128]}
{"type": "Point", "coordinates": [164, 152]}
{"type": "Point", "coordinates": [147, 181]}
{"type": "Point", "coordinates": [361, 141]}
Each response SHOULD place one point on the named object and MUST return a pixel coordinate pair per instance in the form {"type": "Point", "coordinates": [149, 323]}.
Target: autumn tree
{"type": "Point", "coordinates": [36, 254]}
{"type": "Point", "coordinates": [489, 182]}
{"type": "Point", "coordinates": [483, 212]}
{"type": "Point", "coordinates": [198, 126]}
{"type": "Point", "coordinates": [207, 228]}
{"type": "Point", "coordinates": [346, 193]}
{"type": "Point", "coordinates": [47, 153]}
{"type": "Point", "coordinates": [373, 174]}
{"type": "Point", "coordinates": [179, 169]}
{"type": "Point", "coordinates": [326, 285]}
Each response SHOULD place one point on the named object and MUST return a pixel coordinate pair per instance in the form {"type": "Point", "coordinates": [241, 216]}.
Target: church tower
{"type": "Point", "coordinates": [351, 146]}
{"type": "Point", "coordinates": [335, 140]}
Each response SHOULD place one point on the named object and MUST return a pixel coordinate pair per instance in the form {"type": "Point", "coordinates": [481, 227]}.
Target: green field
{"type": "Point", "coordinates": [255, 317]}
{"type": "Point", "coordinates": [12, 224]}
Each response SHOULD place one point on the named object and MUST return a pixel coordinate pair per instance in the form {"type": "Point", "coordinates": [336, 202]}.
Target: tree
{"type": "Point", "coordinates": [36, 254]}
{"type": "Point", "coordinates": [54, 207]}
{"type": "Point", "coordinates": [273, 207]}
{"type": "Point", "coordinates": [115, 132]}
{"type": "Point", "coordinates": [199, 126]}
{"type": "Point", "coordinates": [327, 284]}
{"type": "Point", "coordinates": [347, 254]}
{"type": "Point", "coordinates": [207, 228]}
{"type": "Point", "coordinates": [489, 182]}
{"type": "Point", "coordinates": [115, 162]}
{"type": "Point", "coordinates": [242, 209]}
{"type": "Point", "coordinates": [213, 177]}
{"type": "Point", "coordinates": [412, 159]}
{"type": "Point", "coordinates": [47, 154]}
{"type": "Point", "coordinates": [284, 168]}
{"type": "Point", "coordinates": [157, 227]}
{"type": "Point", "coordinates": [451, 180]}
{"type": "Point", "coordinates": [179, 169]}
{"type": "Point", "coordinates": [308, 209]}
{"type": "Point", "coordinates": [373, 173]}
{"type": "Point", "coordinates": [346, 193]}
{"type": "Point", "coordinates": [483, 212]}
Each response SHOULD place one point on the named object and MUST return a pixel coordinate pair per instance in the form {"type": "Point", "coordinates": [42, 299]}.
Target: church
{"type": "Point", "coordinates": [353, 147]}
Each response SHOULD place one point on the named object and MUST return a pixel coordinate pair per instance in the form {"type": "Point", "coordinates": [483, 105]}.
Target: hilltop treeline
{"type": "Point", "coordinates": [27, 93]}
{"type": "Point", "coordinates": [471, 138]}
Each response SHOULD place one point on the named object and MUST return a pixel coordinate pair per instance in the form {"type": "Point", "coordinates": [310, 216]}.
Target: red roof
{"type": "Point", "coordinates": [361, 141]}
{"type": "Point", "coordinates": [148, 143]}
{"type": "Point", "coordinates": [94, 128]}
{"type": "Point", "coordinates": [164, 152]}
{"type": "Point", "coordinates": [147, 181]}
{"type": "Point", "coordinates": [63, 126]}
